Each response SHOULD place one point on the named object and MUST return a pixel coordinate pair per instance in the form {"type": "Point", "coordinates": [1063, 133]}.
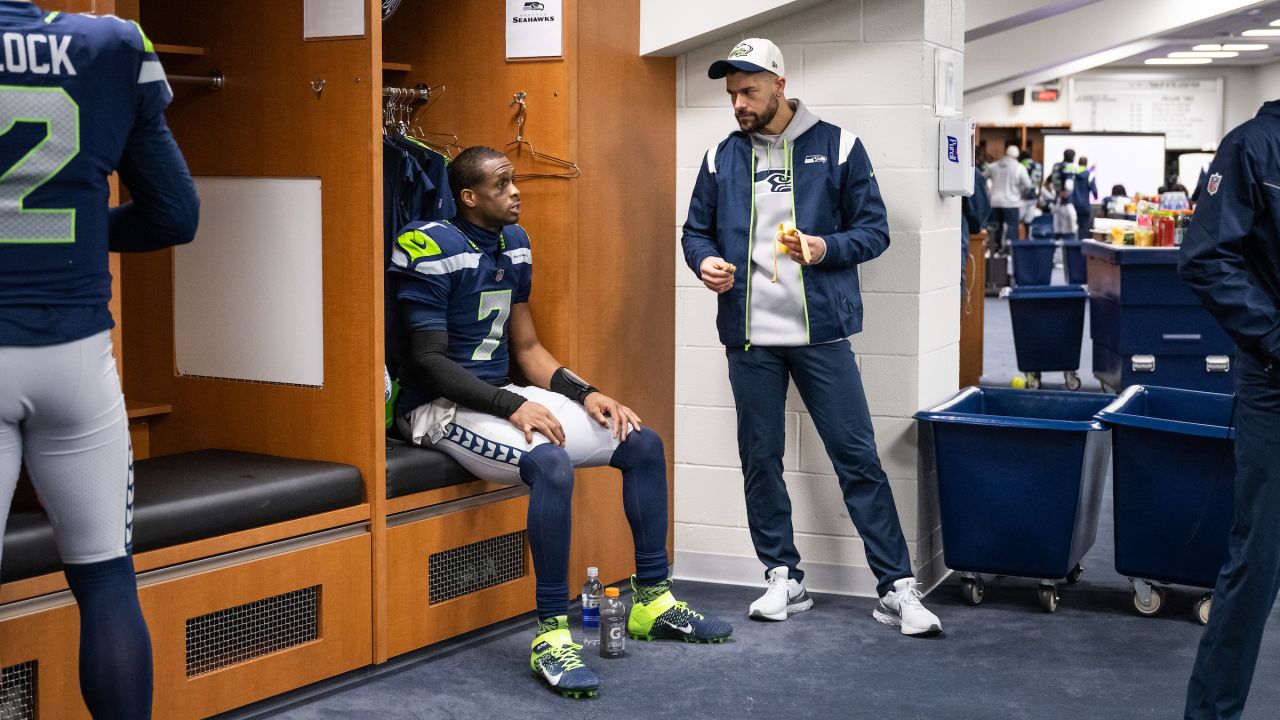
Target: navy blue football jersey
{"type": "Point", "coordinates": [445, 282]}
{"type": "Point", "coordinates": [80, 97]}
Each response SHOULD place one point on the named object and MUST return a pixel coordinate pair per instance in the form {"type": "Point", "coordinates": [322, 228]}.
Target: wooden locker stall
{"type": "Point", "coordinates": [318, 571]}
{"type": "Point", "coordinates": [604, 285]}
{"type": "Point", "coordinates": [603, 301]}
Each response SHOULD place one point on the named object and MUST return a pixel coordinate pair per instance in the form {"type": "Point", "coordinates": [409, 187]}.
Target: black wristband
{"type": "Point", "coordinates": [563, 381]}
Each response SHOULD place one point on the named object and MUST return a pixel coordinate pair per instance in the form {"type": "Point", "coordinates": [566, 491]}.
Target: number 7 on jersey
{"type": "Point", "coordinates": [498, 301]}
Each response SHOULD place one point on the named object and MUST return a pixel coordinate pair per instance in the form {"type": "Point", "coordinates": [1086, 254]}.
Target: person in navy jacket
{"type": "Point", "coordinates": [788, 309]}
{"type": "Point", "coordinates": [1231, 259]}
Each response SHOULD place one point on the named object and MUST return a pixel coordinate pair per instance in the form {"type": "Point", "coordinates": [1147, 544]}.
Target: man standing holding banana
{"type": "Point", "coordinates": [790, 184]}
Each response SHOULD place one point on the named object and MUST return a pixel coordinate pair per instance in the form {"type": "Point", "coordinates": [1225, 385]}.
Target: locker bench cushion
{"type": "Point", "coordinates": [196, 495]}
{"type": "Point", "coordinates": [412, 469]}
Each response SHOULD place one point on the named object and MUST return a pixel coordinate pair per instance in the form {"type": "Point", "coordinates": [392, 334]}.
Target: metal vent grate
{"type": "Point", "coordinates": [466, 569]}
{"type": "Point", "coordinates": [244, 632]}
{"type": "Point", "coordinates": [18, 691]}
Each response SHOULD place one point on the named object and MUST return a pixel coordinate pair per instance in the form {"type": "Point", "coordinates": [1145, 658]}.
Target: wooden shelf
{"type": "Point", "coordinates": [396, 67]}
{"type": "Point", "coordinates": [179, 50]}
{"type": "Point", "coordinates": [142, 409]}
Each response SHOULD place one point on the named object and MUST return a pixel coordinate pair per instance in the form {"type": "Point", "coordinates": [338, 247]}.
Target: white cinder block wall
{"type": "Point", "coordinates": [866, 65]}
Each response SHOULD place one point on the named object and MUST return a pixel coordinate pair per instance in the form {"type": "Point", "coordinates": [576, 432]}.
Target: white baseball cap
{"type": "Point", "coordinates": [750, 55]}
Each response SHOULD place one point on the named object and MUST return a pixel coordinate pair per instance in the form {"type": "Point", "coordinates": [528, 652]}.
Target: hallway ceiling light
{"type": "Point", "coordinates": [1265, 32]}
{"type": "Point", "coordinates": [1178, 61]}
{"type": "Point", "coordinates": [1231, 47]}
{"type": "Point", "coordinates": [1203, 54]}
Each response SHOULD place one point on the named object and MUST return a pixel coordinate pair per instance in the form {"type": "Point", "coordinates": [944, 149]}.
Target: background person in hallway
{"type": "Point", "coordinates": [1231, 259]}
{"type": "Point", "coordinates": [87, 98]}
{"type": "Point", "coordinates": [1083, 194]}
{"type": "Point", "coordinates": [785, 166]}
{"type": "Point", "coordinates": [1009, 185]}
{"type": "Point", "coordinates": [974, 212]}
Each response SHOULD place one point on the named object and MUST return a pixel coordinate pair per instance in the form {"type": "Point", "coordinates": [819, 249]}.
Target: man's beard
{"type": "Point", "coordinates": [753, 123]}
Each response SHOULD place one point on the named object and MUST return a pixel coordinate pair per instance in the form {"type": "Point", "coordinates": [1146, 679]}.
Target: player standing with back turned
{"type": "Point", "coordinates": [80, 97]}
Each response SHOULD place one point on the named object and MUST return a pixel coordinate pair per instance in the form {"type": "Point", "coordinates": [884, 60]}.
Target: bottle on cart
{"type": "Point", "coordinates": [592, 595]}
{"type": "Point", "coordinates": [613, 625]}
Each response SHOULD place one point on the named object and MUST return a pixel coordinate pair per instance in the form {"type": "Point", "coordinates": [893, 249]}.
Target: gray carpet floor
{"type": "Point", "coordinates": [1094, 658]}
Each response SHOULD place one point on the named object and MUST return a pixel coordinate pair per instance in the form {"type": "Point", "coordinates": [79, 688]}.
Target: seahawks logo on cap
{"type": "Point", "coordinates": [742, 50]}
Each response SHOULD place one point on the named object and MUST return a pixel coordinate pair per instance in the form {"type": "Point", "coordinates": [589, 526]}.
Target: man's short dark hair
{"type": "Point", "coordinates": [467, 170]}
{"type": "Point", "coordinates": [1068, 154]}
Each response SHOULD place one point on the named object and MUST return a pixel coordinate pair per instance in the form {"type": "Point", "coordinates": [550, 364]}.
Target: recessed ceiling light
{"type": "Point", "coordinates": [1275, 23]}
{"type": "Point", "coordinates": [1178, 61]}
{"type": "Point", "coordinates": [1207, 48]}
{"type": "Point", "coordinates": [1218, 54]}
{"type": "Point", "coordinates": [1265, 32]}
{"type": "Point", "coordinates": [1243, 47]}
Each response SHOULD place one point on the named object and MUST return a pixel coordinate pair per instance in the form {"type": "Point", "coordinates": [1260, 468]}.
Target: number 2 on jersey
{"type": "Point", "coordinates": [53, 108]}
{"type": "Point", "coordinates": [498, 301]}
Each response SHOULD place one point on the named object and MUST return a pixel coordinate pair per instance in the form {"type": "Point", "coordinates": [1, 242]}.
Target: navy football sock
{"type": "Point", "coordinates": [115, 647]}
{"type": "Point", "coordinates": [644, 498]}
{"type": "Point", "coordinates": [548, 472]}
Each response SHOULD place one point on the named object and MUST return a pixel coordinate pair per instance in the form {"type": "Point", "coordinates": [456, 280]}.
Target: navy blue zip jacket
{"type": "Point", "coordinates": [836, 197]}
{"type": "Point", "coordinates": [1231, 253]}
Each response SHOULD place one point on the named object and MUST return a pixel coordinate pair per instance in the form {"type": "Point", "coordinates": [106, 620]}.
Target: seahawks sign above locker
{"type": "Point", "coordinates": [533, 12]}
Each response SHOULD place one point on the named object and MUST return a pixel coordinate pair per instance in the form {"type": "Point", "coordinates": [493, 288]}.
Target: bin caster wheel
{"type": "Point", "coordinates": [1076, 573]}
{"type": "Point", "coordinates": [1049, 598]}
{"type": "Point", "coordinates": [1203, 606]}
{"type": "Point", "coordinates": [1073, 381]}
{"type": "Point", "coordinates": [1033, 381]}
{"type": "Point", "coordinates": [972, 590]}
{"type": "Point", "coordinates": [1152, 607]}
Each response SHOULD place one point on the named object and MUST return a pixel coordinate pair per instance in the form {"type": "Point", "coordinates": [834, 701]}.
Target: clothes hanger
{"type": "Point", "coordinates": [571, 169]}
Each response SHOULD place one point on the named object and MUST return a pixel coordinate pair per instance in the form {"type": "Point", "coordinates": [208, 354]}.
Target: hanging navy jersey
{"type": "Point", "coordinates": [415, 186]}
{"type": "Point", "coordinates": [445, 282]}
{"type": "Point", "coordinates": [80, 97]}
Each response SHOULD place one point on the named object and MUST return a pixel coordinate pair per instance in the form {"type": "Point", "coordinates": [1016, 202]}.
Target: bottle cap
{"type": "Point", "coordinates": [593, 572]}
{"type": "Point", "coordinates": [611, 592]}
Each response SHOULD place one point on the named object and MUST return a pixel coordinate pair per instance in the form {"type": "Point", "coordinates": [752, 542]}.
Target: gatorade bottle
{"type": "Point", "coordinates": [592, 593]}
{"type": "Point", "coordinates": [613, 625]}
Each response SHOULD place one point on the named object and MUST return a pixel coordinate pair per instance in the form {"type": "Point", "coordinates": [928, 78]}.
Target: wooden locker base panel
{"type": "Point", "coordinates": [221, 638]}
{"type": "Point", "coordinates": [480, 573]}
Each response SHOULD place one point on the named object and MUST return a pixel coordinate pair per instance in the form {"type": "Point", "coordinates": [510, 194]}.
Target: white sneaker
{"type": "Point", "coordinates": [784, 597]}
{"type": "Point", "coordinates": [901, 606]}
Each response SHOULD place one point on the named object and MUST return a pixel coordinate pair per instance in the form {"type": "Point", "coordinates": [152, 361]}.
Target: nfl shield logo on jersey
{"type": "Point", "coordinates": [497, 277]}
{"type": "Point", "coordinates": [1214, 181]}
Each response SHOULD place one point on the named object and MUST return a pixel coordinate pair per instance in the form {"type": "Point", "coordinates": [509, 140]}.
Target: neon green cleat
{"type": "Point", "coordinates": [656, 614]}
{"type": "Point", "coordinates": [555, 659]}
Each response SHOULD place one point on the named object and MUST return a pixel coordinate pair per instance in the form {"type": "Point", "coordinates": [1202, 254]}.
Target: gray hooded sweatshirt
{"type": "Point", "coordinates": [777, 308]}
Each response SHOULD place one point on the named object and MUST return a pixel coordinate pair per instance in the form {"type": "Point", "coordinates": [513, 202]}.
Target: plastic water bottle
{"type": "Point", "coordinates": [592, 594]}
{"type": "Point", "coordinates": [613, 625]}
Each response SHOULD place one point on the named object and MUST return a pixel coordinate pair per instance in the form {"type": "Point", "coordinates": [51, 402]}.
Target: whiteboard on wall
{"type": "Point", "coordinates": [1133, 160]}
{"type": "Point", "coordinates": [1187, 110]}
{"type": "Point", "coordinates": [248, 291]}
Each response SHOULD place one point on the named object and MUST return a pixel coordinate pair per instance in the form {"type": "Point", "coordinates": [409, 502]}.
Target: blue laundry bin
{"type": "Point", "coordinates": [1048, 328]}
{"type": "Point", "coordinates": [1074, 265]}
{"type": "Point", "coordinates": [1020, 478]}
{"type": "Point", "coordinates": [1174, 468]}
{"type": "Point", "coordinates": [1041, 226]}
{"type": "Point", "coordinates": [1033, 261]}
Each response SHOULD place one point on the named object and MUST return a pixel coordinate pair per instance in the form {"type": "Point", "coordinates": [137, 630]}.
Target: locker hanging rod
{"type": "Point", "coordinates": [421, 91]}
{"type": "Point", "coordinates": [215, 80]}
